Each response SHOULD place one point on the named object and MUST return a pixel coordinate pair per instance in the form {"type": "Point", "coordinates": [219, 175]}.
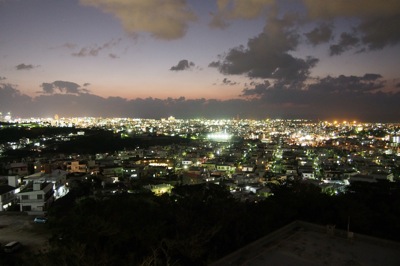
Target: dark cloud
{"type": "Point", "coordinates": [48, 88]}
{"type": "Point", "coordinates": [371, 77]}
{"type": "Point", "coordinates": [113, 56]}
{"type": "Point", "coordinates": [226, 81]}
{"type": "Point", "coordinates": [349, 84]}
{"type": "Point", "coordinates": [374, 24]}
{"type": "Point", "coordinates": [397, 85]}
{"type": "Point", "coordinates": [379, 32]}
{"type": "Point", "coordinates": [268, 55]}
{"type": "Point", "coordinates": [341, 85]}
{"type": "Point", "coordinates": [376, 27]}
{"type": "Point", "coordinates": [2, 78]}
{"type": "Point", "coordinates": [182, 65]}
{"type": "Point", "coordinates": [214, 64]}
{"type": "Point", "coordinates": [84, 90]}
{"type": "Point", "coordinates": [66, 87]}
{"type": "Point", "coordinates": [320, 34]}
{"type": "Point", "coordinates": [25, 67]}
{"type": "Point", "coordinates": [86, 84]}
{"type": "Point", "coordinates": [336, 49]}
{"type": "Point", "coordinates": [347, 41]}
{"type": "Point", "coordinates": [373, 32]}
{"type": "Point", "coordinates": [8, 91]}
{"type": "Point", "coordinates": [94, 50]}
{"type": "Point", "coordinates": [12, 100]}
{"type": "Point", "coordinates": [347, 97]}
{"type": "Point", "coordinates": [258, 89]}
{"type": "Point", "coordinates": [87, 51]}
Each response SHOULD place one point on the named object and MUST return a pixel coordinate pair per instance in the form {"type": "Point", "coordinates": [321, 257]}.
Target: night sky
{"type": "Point", "coordinates": [201, 59]}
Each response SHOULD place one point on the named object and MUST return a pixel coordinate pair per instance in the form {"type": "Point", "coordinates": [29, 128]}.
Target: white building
{"type": "Point", "coordinates": [36, 196]}
{"type": "Point", "coordinates": [307, 175]}
{"type": "Point", "coordinates": [57, 177]}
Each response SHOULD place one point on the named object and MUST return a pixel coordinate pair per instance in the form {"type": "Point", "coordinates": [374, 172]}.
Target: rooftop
{"type": "Point", "coordinates": [29, 187]}
{"type": "Point", "coordinates": [301, 243]}
{"type": "Point", "coordinates": [6, 188]}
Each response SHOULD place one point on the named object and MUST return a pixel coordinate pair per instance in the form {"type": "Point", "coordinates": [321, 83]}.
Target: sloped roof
{"type": "Point", "coordinates": [6, 188]}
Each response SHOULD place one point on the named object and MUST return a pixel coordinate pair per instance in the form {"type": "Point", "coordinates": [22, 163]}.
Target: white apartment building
{"type": "Point", "coordinates": [36, 196]}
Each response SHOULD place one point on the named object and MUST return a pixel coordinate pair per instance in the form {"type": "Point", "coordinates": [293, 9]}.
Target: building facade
{"type": "Point", "coordinates": [36, 196]}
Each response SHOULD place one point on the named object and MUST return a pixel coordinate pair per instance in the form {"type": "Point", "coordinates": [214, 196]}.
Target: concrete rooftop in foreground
{"type": "Point", "coordinates": [300, 243]}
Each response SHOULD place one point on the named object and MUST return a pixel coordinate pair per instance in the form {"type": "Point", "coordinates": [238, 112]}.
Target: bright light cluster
{"type": "Point", "coordinates": [219, 136]}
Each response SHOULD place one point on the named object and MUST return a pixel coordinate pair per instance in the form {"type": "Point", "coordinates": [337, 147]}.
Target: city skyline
{"type": "Point", "coordinates": [213, 59]}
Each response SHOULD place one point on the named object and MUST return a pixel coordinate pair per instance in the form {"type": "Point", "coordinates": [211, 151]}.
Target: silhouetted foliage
{"type": "Point", "coordinates": [198, 224]}
{"type": "Point", "coordinates": [15, 133]}
{"type": "Point", "coordinates": [106, 141]}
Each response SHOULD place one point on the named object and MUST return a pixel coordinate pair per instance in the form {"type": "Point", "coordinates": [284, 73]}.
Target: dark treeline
{"type": "Point", "coordinates": [94, 140]}
{"type": "Point", "coordinates": [105, 141]}
{"type": "Point", "coordinates": [201, 223]}
{"type": "Point", "coordinates": [16, 133]}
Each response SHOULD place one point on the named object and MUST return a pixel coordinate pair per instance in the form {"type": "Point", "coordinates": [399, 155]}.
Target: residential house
{"type": "Point", "coordinates": [248, 168]}
{"type": "Point", "coordinates": [131, 171]}
{"type": "Point", "coordinates": [20, 169]}
{"type": "Point", "coordinates": [58, 178]}
{"type": "Point", "coordinates": [225, 167]}
{"type": "Point", "coordinates": [112, 171]}
{"type": "Point", "coordinates": [77, 167]}
{"type": "Point", "coordinates": [307, 175]}
{"type": "Point", "coordinates": [36, 196]}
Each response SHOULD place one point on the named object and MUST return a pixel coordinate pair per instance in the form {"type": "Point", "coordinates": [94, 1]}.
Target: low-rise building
{"type": "Point", "coordinates": [77, 167]}
{"type": "Point", "coordinates": [20, 169]}
{"type": "Point", "coordinates": [56, 177]}
{"type": "Point", "coordinates": [111, 171]}
{"type": "Point", "coordinates": [36, 196]}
